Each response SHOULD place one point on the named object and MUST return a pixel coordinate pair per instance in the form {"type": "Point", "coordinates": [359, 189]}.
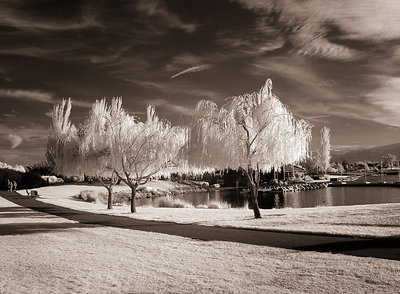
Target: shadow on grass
{"type": "Point", "coordinates": [26, 214]}
{"type": "Point", "coordinates": [35, 228]}
{"type": "Point", "coordinates": [13, 209]}
{"type": "Point", "coordinates": [355, 246]}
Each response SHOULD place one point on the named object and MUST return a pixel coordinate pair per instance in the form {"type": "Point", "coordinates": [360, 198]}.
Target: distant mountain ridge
{"type": "Point", "coordinates": [368, 154]}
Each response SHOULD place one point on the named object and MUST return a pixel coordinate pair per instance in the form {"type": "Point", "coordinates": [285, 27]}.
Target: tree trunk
{"type": "Point", "coordinates": [254, 185]}
{"type": "Point", "coordinates": [133, 199]}
{"type": "Point", "coordinates": [254, 196]}
{"type": "Point", "coordinates": [109, 199]}
{"type": "Point", "coordinates": [109, 188]}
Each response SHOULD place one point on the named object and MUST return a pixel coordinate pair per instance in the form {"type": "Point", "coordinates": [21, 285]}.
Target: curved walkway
{"type": "Point", "coordinates": [388, 248]}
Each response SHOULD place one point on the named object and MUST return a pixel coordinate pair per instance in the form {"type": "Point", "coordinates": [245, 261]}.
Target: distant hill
{"type": "Point", "coordinates": [369, 154]}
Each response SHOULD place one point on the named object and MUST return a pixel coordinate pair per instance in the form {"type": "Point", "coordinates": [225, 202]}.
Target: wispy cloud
{"type": "Point", "coordinates": [12, 15]}
{"type": "Point", "coordinates": [301, 76]}
{"type": "Point", "coordinates": [158, 8]}
{"type": "Point", "coordinates": [32, 95]}
{"type": "Point", "coordinates": [386, 100]}
{"type": "Point", "coordinates": [341, 147]}
{"type": "Point", "coordinates": [22, 143]}
{"type": "Point", "coordinates": [260, 38]}
{"type": "Point", "coordinates": [14, 140]}
{"type": "Point", "coordinates": [38, 96]}
{"type": "Point", "coordinates": [308, 24]}
{"type": "Point", "coordinates": [174, 108]}
{"type": "Point", "coordinates": [184, 60]}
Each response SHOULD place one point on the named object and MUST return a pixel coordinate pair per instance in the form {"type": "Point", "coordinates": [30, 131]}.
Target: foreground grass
{"type": "Point", "coordinates": [72, 259]}
{"type": "Point", "coordinates": [377, 220]}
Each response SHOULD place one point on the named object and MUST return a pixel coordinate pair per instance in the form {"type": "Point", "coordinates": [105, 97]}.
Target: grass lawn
{"type": "Point", "coordinates": [377, 220]}
{"type": "Point", "coordinates": [64, 257]}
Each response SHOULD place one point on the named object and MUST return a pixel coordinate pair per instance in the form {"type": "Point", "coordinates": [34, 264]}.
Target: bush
{"type": "Point", "coordinates": [88, 196]}
{"type": "Point", "coordinates": [202, 206]}
{"type": "Point", "coordinates": [219, 205]}
{"type": "Point", "coordinates": [173, 203]}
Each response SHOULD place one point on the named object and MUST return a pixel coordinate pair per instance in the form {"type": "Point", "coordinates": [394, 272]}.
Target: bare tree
{"type": "Point", "coordinates": [324, 150]}
{"type": "Point", "coordinates": [252, 133]}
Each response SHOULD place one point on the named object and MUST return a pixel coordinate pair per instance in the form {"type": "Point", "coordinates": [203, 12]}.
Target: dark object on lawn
{"type": "Point", "coordinates": [32, 193]}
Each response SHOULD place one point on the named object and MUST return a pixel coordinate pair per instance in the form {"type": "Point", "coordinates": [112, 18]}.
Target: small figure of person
{"type": "Point", "coordinates": [9, 185]}
{"type": "Point", "coordinates": [15, 185]}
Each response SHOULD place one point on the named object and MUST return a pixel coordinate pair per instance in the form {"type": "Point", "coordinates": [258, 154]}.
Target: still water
{"type": "Point", "coordinates": [331, 196]}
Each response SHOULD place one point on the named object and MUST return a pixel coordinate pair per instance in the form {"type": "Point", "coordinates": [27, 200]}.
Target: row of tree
{"type": "Point", "coordinates": [252, 133]}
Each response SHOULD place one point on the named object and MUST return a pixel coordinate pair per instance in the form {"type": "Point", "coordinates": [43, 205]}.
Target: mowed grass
{"type": "Point", "coordinates": [73, 259]}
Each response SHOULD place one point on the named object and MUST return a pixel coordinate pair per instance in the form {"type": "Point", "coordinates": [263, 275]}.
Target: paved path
{"type": "Point", "coordinates": [388, 248]}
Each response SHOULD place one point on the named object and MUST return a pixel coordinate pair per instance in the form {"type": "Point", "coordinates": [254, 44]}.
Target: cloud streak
{"type": "Point", "coordinates": [38, 96]}
{"type": "Point", "coordinates": [192, 69]}
{"type": "Point", "coordinates": [13, 16]}
{"type": "Point", "coordinates": [32, 95]}
{"type": "Point", "coordinates": [158, 8]}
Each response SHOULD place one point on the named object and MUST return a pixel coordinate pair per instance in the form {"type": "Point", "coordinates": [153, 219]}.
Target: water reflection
{"type": "Point", "coordinates": [331, 196]}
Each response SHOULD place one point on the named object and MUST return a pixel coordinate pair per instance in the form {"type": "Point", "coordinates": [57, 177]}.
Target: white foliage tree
{"type": "Point", "coordinates": [142, 150]}
{"type": "Point", "coordinates": [62, 145]}
{"type": "Point", "coordinates": [324, 150]}
{"type": "Point", "coordinates": [96, 158]}
{"type": "Point", "coordinates": [252, 132]}
{"type": "Point", "coordinates": [114, 143]}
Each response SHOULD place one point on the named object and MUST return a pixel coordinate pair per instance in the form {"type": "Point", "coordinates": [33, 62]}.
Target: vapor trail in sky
{"type": "Point", "coordinates": [193, 69]}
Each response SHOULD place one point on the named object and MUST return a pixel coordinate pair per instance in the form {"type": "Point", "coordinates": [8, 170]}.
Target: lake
{"type": "Point", "coordinates": [331, 196]}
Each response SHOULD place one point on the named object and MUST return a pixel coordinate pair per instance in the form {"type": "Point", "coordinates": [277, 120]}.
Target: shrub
{"type": "Point", "coordinates": [173, 203]}
{"type": "Point", "coordinates": [88, 196]}
{"type": "Point", "coordinates": [219, 205]}
{"type": "Point", "coordinates": [202, 206]}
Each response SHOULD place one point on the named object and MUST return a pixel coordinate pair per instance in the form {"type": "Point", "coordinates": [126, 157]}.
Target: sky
{"type": "Point", "coordinates": [334, 63]}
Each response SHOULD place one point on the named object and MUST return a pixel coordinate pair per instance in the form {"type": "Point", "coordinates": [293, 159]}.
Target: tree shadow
{"type": "Point", "coordinates": [35, 228]}
{"type": "Point", "coordinates": [21, 212]}
{"type": "Point", "coordinates": [12, 209]}
{"type": "Point", "coordinates": [24, 215]}
{"type": "Point", "coordinates": [390, 242]}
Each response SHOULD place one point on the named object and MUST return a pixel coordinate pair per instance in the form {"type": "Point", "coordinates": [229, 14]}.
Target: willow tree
{"type": "Point", "coordinates": [324, 150]}
{"type": "Point", "coordinates": [62, 145]}
{"type": "Point", "coordinates": [96, 158]}
{"type": "Point", "coordinates": [139, 150]}
{"type": "Point", "coordinates": [113, 144]}
{"type": "Point", "coordinates": [252, 133]}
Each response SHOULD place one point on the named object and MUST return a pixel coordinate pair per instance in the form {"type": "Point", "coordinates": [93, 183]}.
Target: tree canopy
{"type": "Point", "coordinates": [251, 132]}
